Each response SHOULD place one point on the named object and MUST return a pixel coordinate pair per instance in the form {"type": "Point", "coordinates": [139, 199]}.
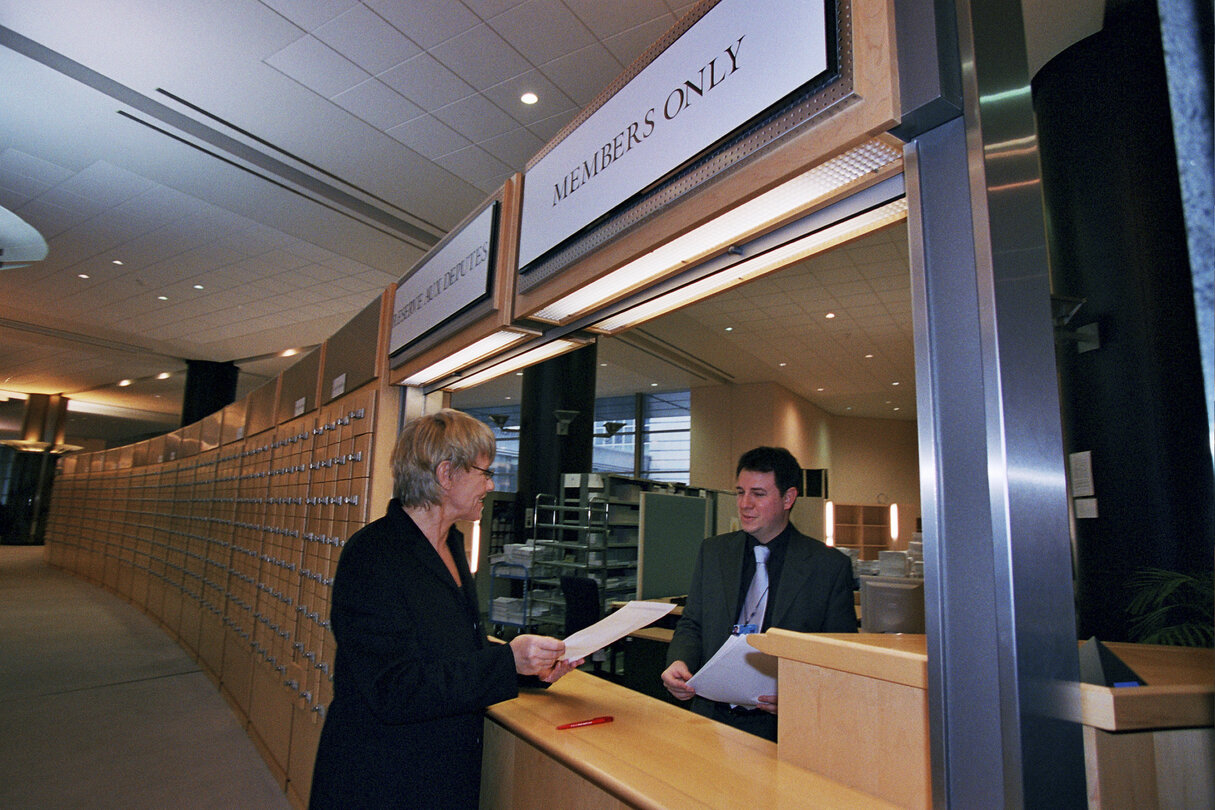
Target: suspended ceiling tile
{"type": "Point", "coordinates": [552, 101]}
{"type": "Point", "coordinates": [473, 164]}
{"type": "Point", "coordinates": [606, 18]}
{"type": "Point", "coordinates": [481, 57]}
{"type": "Point", "coordinates": [426, 82]}
{"type": "Point", "coordinates": [429, 137]}
{"type": "Point", "coordinates": [476, 118]}
{"type": "Point", "coordinates": [378, 104]}
{"type": "Point", "coordinates": [316, 66]}
{"type": "Point", "coordinates": [363, 37]}
{"type": "Point", "coordinates": [631, 43]}
{"type": "Point", "coordinates": [583, 74]}
{"type": "Point", "coordinates": [547, 129]}
{"type": "Point", "coordinates": [513, 148]}
{"type": "Point", "coordinates": [309, 14]}
{"type": "Point", "coordinates": [542, 30]}
{"type": "Point", "coordinates": [424, 21]}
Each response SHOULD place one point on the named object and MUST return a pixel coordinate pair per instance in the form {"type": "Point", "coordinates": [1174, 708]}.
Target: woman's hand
{"type": "Point", "coordinates": [561, 668]}
{"type": "Point", "coordinates": [537, 655]}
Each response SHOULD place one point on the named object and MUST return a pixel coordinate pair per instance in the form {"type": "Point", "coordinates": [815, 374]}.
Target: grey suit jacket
{"type": "Point", "coordinates": [814, 595]}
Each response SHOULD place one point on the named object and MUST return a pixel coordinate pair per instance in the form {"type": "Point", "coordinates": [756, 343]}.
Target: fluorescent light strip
{"type": "Point", "coordinates": [467, 356]}
{"type": "Point", "coordinates": [537, 355]}
{"type": "Point", "coordinates": [758, 266]}
{"type": "Point", "coordinates": [796, 194]}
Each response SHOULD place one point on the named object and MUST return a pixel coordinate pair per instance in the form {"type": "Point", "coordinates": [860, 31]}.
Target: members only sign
{"type": "Point", "coordinates": [739, 59]}
{"type": "Point", "coordinates": [451, 279]}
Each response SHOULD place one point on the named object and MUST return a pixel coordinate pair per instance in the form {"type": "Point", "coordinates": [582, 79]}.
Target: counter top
{"type": "Point", "coordinates": [1180, 690]}
{"type": "Point", "coordinates": [658, 755]}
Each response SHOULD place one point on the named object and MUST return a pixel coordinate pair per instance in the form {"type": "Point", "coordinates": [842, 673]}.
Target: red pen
{"type": "Point", "coordinates": [594, 721]}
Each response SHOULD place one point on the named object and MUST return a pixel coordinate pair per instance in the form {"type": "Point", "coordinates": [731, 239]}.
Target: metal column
{"type": "Point", "coordinates": [1001, 621]}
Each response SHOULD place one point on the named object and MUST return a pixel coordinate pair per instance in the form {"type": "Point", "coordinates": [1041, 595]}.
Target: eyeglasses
{"type": "Point", "coordinates": [489, 474]}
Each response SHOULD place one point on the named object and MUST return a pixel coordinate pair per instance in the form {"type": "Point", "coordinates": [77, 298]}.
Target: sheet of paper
{"type": "Point", "coordinates": [615, 625]}
{"type": "Point", "coordinates": [737, 673]}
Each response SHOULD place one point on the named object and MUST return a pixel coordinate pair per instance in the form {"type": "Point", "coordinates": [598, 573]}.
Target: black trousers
{"type": "Point", "coordinates": [753, 721]}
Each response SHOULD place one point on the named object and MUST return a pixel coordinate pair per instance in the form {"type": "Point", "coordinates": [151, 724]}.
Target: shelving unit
{"type": "Point", "coordinates": [863, 527]}
{"type": "Point", "coordinates": [598, 529]}
{"type": "Point", "coordinates": [510, 611]}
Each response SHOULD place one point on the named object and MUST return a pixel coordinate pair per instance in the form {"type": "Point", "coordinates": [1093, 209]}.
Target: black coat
{"type": "Point", "coordinates": [814, 595]}
{"type": "Point", "coordinates": [413, 674]}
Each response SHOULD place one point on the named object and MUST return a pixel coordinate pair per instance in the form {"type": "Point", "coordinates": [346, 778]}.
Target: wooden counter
{"type": "Point", "coordinates": [854, 707]}
{"type": "Point", "coordinates": [654, 755]}
{"type": "Point", "coordinates": [1146, 746]}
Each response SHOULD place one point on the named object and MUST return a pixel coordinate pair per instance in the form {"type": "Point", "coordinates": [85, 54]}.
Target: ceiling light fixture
{"type": "Point", "coordinates": [82, 275]}
{"type": "Point", "coordinates": [164, 375]}
{"type": "Point", "coordinates": [485, 347]}
{"type": "Point", "coordinates": [162, 298]}
{"type": "Point", "coordinates": [124, 383]}
{"type": "Point", "coordinates": [289, 352]}
{"type": "Point", "coordinates": [117, 262]}
{"type": "Point", "coordinates": [830, 315]}
{"type": "Point", "coordinates": [198, 286]}
{"type": "Point", "coordinates": [756, 266]}
{"type": "Point", "coordinates": [719, 234]}
{"type": "Point", "coordinates": [529, 98]}
{"type": "Point", "coordinates": [539, 354]}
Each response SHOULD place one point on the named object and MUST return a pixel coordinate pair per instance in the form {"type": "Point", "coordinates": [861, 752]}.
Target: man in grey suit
{"type": "Point", "coordinates": [809, 585]}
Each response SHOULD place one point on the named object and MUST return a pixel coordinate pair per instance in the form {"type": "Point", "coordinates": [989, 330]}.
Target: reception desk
{"type": "Point", "coordinates": [653, 755]}
{"type": "Point", "coordinates": [854, 708]}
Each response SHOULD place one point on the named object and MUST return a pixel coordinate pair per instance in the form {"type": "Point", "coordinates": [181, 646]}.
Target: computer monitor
{"type": "Point", "coordinates": [892, 605]}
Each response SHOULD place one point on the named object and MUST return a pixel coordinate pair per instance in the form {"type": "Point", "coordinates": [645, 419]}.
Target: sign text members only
{"type": "Point", "coordinates": [739, 59]}
{"type": "Point", "coordinates": [449, 281]}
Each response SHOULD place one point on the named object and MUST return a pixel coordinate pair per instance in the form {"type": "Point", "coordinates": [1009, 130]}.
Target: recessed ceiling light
{"type": "Point", "coordinates": [164, 375]}
{"type": "Point", "coordinates": [123, 383]}
{"type": "Point", "coordinates": [198, 286]}
{"type": "Point", "coordinates": [82, 275]}
{"type": "Point", "coordinates": [782, 365]}
{"type": "Point", "coordinates": [653, 385]}
{"type": "Point", "coordinates": [518, 373]}
{"type": "Point", "coordinates": [830, 315]}
{"type": "Point", "coordinates": [162, 298]}
{"type": "Point", "coordinates": [508, 397]}
{"type": "Point", "coordinates": [529, 98]}
{"type": "Point", "coordinates": [897, 408]}
{"type": "Point", "coordinates": [289, 353]}
{"type": "Point", "coordinates": [117, 262]}
{"type": "Point", "coordinates": [603, 365]}
{"type": "Point", "coordinates": [869, 357]}
{"type": "Point", "coordinates": [820, 390]}
{"type": "Point", "coordinates": [729, 328]}
{"type": "Point", "coordinates": [896, 382]}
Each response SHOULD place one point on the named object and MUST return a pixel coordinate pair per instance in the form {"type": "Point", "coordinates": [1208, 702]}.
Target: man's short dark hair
{"type": "Point", "coordinates": [776, 460]}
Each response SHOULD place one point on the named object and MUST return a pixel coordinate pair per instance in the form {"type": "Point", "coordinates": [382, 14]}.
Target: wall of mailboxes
{"type": "Point", "coordinates": [228, 532]}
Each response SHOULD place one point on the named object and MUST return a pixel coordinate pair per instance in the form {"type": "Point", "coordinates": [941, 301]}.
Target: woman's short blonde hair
{"type": "Point", "coordinates": [428, 441]}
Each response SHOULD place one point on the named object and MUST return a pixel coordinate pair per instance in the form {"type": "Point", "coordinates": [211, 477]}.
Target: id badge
{"type": "Point", "coordinates": [744, 629]}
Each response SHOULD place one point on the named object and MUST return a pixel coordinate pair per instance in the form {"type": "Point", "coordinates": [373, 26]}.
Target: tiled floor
{"type": "Point", "coordinates": [100, 708]}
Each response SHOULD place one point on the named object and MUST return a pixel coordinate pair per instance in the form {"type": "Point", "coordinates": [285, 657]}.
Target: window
{"type": "Point", "coordinates": [666, 437]}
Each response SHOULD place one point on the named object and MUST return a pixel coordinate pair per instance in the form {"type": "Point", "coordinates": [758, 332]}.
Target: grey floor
{"type": "Point", "coordinates": [100, 708]}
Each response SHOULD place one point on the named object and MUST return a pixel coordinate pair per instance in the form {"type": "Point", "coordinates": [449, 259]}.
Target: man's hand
{"type": "Point", "coordinates": [675, 679]}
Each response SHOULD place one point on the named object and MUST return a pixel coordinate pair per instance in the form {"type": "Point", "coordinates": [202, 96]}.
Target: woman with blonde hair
{"type": "Point", "coordinates": [414, 671]}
